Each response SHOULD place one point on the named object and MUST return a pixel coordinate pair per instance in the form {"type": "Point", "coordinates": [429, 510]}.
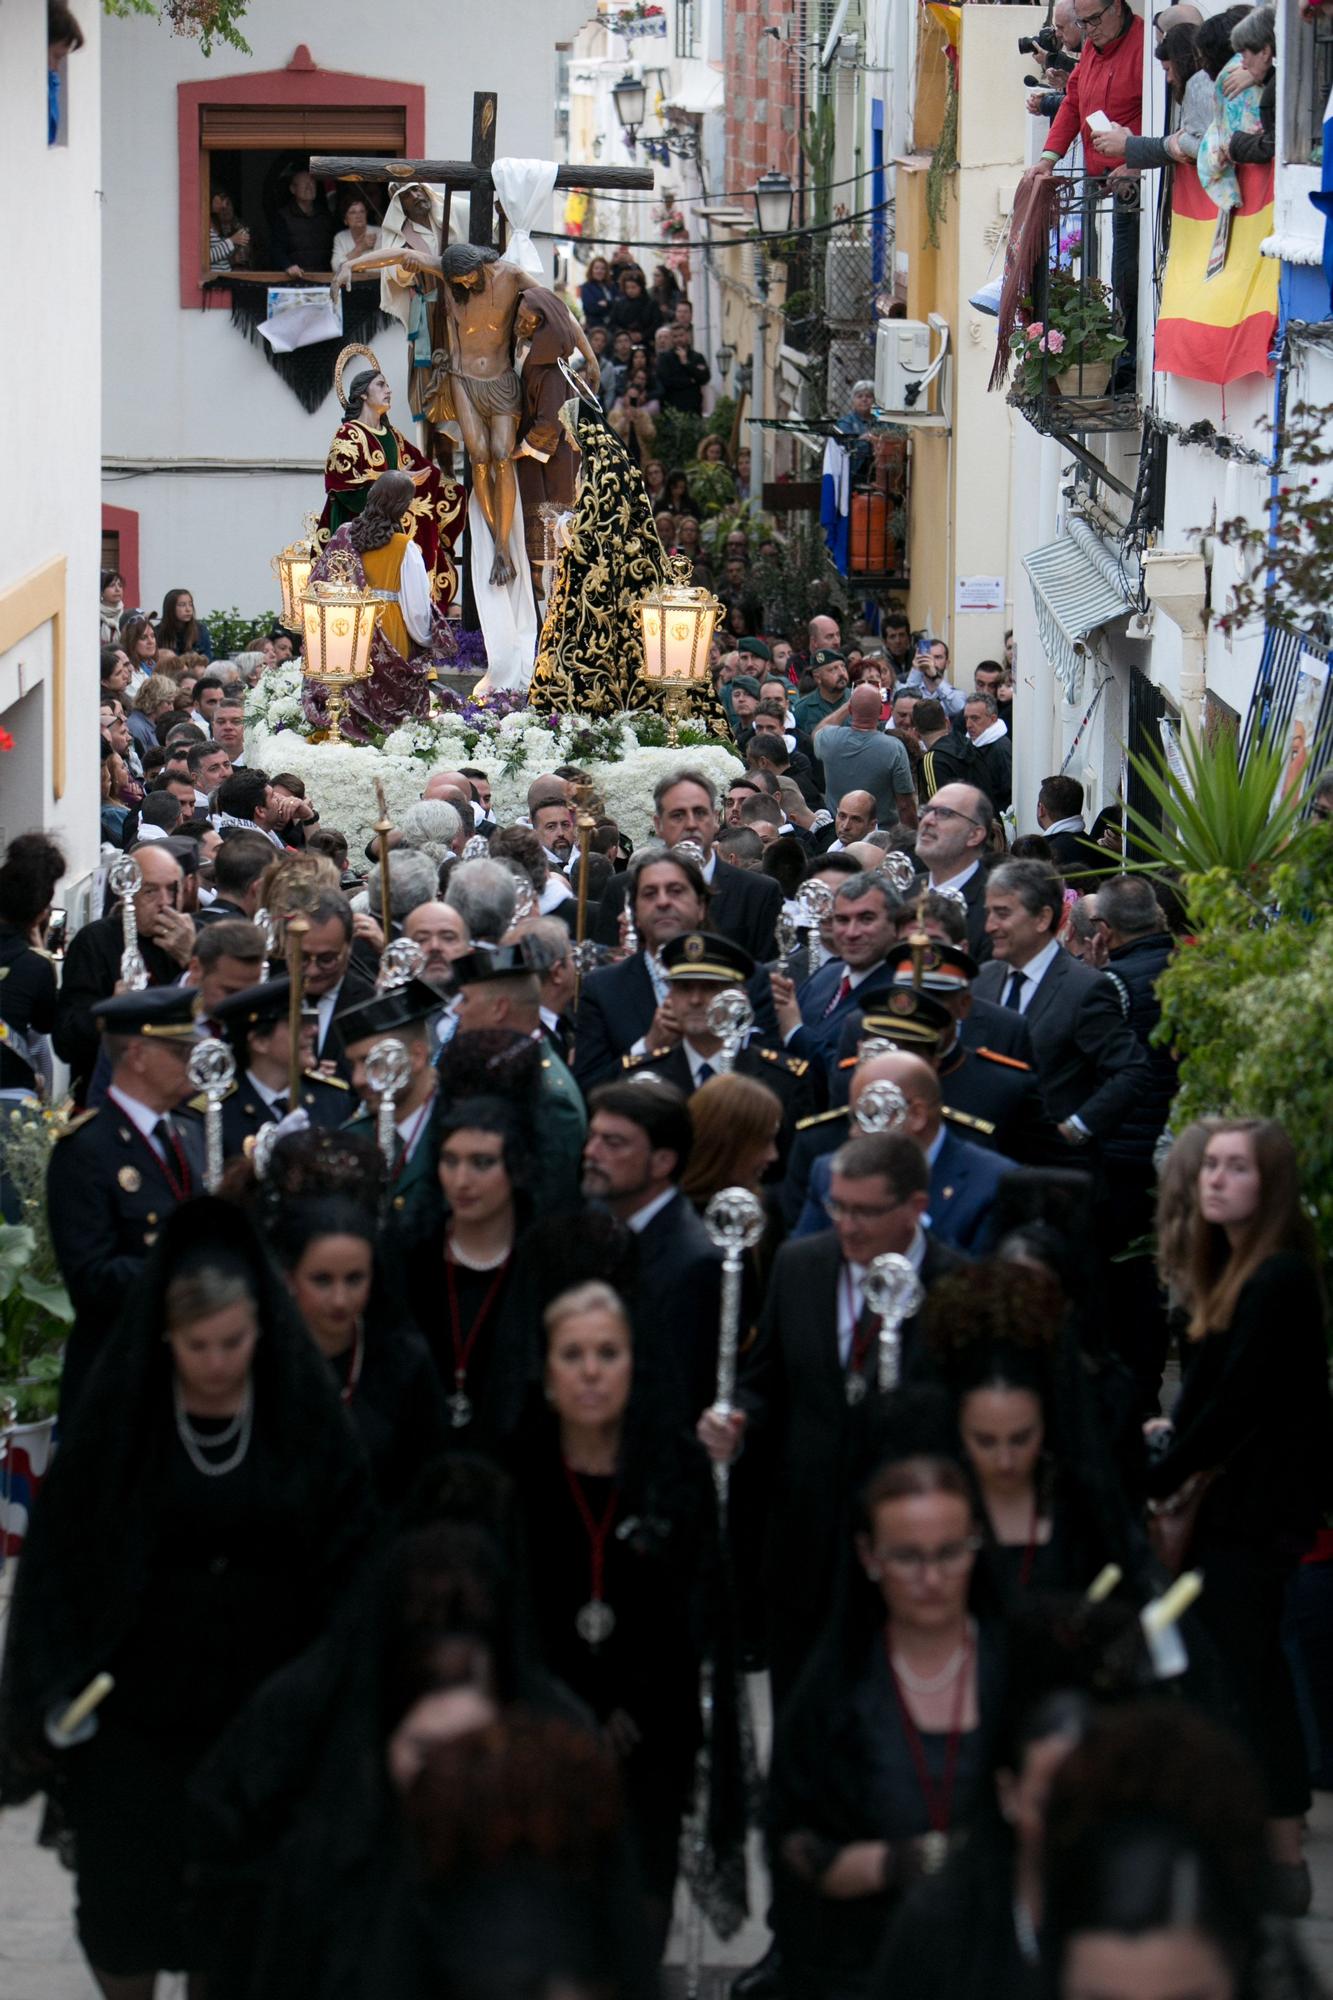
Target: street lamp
{"type": "Point", "coordinates": [339, 618]}
{"type": "Point", "coordinates": [724, 357]}
{"type": "Point", "coordinates": [678, 620]}
{"type": "Point", "coordinates": [631, 101]}
{"type": "Point", "coordinates": [292, 567]}
{"type": "Point", "coordinates": [773, 195]}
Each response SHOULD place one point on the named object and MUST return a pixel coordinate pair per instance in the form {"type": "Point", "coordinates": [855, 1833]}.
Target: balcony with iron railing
{"type": "Point", "coordinates": [1072, 349]}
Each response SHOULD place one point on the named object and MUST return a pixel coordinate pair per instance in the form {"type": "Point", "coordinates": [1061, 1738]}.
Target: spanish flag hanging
{"type": "Point", "coordinates": [1218, 328]}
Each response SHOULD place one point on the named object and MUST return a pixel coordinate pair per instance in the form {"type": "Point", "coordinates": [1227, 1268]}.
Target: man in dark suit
{"type": "Point", "coordinates": [256, 1023]}
{"type": "Point", "coordinates": [807, 1384]}
{"type": "Point", "coordinates": [402, 1015]}
{"type": "Point", "coordinates": [701, 967]}
{"type": "Point", "coordinates": [964, 1179]}
{"type": "Point", "coordinates": [864, 929]}
{"type": "Point", "coordinates": [92, 962]}
{"type": "Point", "coordinates": [638, 1146]}
{"type": "Point", "coordinates": [743, 905]}
{"type": "Point", "coordinates": [118, 1172]}
{"type": "Point", "coordinates": [952, 838]}
{"type": "Point", "coordinates": [623, 1009]}
{"type": "Point", "coordinates": [1089, 1061]}
{"type": "Point", "coordinates": [331, 982]}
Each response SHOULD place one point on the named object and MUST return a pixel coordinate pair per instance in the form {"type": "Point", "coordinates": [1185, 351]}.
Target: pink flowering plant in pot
{"type": "Point", "coordinates": [1074, 347]}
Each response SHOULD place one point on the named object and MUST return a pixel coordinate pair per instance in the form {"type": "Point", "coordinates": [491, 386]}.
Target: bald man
{"type": "Point", "coordinates": [858, 756]}
{"type": "Point", "coordinates": [964, 1179]}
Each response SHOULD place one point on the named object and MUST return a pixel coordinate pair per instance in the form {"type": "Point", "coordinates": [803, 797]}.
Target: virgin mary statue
{"type": "Point", "coordinates": [365, 445]}
{"type": "Point", "coordinates": [412, 639]}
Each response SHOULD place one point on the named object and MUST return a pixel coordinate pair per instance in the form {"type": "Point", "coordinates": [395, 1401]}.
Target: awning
{"type": "Point", "coordinates": [696, 86]}
{"type": "Point", "coordinates": [1079, 583]}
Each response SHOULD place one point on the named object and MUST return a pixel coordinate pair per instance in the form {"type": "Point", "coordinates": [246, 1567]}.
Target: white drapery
{"type": "Point", "coordinates": [524, 188]}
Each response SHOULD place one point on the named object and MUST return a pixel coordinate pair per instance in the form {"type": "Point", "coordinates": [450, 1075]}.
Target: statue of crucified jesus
{"type": "Point", "coordinates": [475, 380]}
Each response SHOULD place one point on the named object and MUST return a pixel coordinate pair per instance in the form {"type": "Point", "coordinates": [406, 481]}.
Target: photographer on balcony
{"type": "Point", "coordinates": [1107, 78]}
{"type": "Point", "coordinates": [1054, 52]}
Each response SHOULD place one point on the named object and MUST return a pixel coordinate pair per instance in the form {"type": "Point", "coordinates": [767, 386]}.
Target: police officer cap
{"type": "Point", "coordinates": [497, 961]}
{"type": "Point", "coordinates": [257, 1007]}
{"type": "Point", "coordinates": [745, 684]}
{"type": "Point", "coordinates": [904, 1015]}
{"type": "Point", "coordinates": [824, 656]}
{"type": "Point", "coordinates": [164, 1013]}
{"type": "Point", "coordinates": [945, 968]}
{"type": "Point", "coordinates": [703, 955]}
{"type": "Point", "coordinates": [756, 648]}
{"type": "Point", "coordinates": [380, 1015]}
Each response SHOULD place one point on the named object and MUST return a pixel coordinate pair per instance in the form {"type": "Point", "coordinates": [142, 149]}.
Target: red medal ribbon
{"type": "Point", "coordinates": [405, 1149]}
{"type": "Point", "coordinates": [938, 1802]}
{"type": "Point", "coordinates": [182, 1188]}
{"type": "Point", "coordinates": [463, 1345]}
{"type": "Point", "coordinates": [597, 1531]}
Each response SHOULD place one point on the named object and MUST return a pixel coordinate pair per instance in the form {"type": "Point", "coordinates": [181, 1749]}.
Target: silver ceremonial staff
{"type": "Point", "coordinates": [212, 1067]}
{"type": "Point", "coordinates": [125, 879]}
{"type": "Point", "coordinates": [734, 1219]}
{"type": "Point", "coordinates": [894, 1291]}
{"type": "Point", "coordinates": [388, 1072]}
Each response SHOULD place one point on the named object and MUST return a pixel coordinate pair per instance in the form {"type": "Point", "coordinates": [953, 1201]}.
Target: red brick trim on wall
{"type": "Point", "coordinates": [302, 82]}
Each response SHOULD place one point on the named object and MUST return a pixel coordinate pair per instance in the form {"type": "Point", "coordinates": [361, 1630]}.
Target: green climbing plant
{"type": "Point", "coordinates": [204, 21]}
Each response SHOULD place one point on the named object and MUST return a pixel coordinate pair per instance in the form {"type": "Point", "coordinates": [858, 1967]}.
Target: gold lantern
{"type": "Point", "coordinates": [292, 569]}
{"type": "Point", "coordinates": [678, 620]}
{"type": "Point", "coordinates": [338, 618]}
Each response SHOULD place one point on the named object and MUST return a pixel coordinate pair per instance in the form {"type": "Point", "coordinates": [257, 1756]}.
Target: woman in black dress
{"type": "Point", "coordinates": [1250, 1443]}
{"type": "Point", "coordinates": [206, 1505]}
{"type": "Point", "coordinates": [378, 1361]}
{"type": "Point", "coordinates": [622, 1546]}
{"type": "Point", "coordinates": [1051, 1508]}
{"type": "Point", "coordinates": [468, 1289]}
{"type": "Point", "coordinates": [971, 1932]}
{"type": "Point", "coordinates": [32, 867]}
{"type": "Point", "coordinates": [880, 1758]}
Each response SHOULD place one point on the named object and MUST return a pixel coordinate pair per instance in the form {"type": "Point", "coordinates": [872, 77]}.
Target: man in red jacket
{"type": "Point", "coordinates": [1108, 77]}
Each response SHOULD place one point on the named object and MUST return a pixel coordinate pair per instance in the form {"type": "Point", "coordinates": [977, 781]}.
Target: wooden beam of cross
{"type": "Point", "coordinates": [474, 175]}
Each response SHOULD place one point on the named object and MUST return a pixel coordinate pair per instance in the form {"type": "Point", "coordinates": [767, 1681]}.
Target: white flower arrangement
{"type": "Point", "coordinates": [340, 777]}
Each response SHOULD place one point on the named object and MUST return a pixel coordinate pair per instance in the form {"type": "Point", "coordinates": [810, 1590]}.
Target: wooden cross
{"type": "Point", "coordinates": [473, 175]}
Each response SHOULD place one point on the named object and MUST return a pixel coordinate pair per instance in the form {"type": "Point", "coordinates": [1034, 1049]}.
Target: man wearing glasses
{"type": "Point", "coordinates": [951, 841]}
{"type": "Point", "coordinates": [329, 980]}
{"type": "Point", "coordinates": [808, 1384]}
{"type": "Point", "coordinates": [1107, 77]}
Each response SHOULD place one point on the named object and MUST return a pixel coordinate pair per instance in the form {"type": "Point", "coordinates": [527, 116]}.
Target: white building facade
{"type": "Point", "coordinates": [49, 513]}
{"type": "Point", "coordinates": [210, 460]}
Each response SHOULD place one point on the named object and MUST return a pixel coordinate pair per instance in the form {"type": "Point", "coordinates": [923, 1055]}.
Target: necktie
{"type": "Point", "coordinates": [1014, 995]}
{"type": "Point", "coordinates": [280, 1105]}
{"type": "Point", "coordinates": [844, 988]}
{"type": "Point", "coordinates": [706, 1071]}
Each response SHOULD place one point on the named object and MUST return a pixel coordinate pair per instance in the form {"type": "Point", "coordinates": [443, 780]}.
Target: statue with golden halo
{"type": "Point", "coordinates": [366, 444]}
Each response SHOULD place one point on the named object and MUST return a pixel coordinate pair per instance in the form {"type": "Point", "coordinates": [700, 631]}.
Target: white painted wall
{"type": "Point", "coordinates": [183, 384]}
{"type": "Point", "coordinates": [52, 243]}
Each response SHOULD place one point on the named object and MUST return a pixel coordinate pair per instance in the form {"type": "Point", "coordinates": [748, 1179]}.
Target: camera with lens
{"type": "Point", "coordinates": [1043, 43]}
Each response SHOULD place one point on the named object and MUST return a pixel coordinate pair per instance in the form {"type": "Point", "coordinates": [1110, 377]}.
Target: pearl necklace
{"type": "Point", "coordinates": [470, 1263]}
{"type": "Point", "coordinates": [933, 1683]}
{"type": "Point", "coordinates": [194, 1442]}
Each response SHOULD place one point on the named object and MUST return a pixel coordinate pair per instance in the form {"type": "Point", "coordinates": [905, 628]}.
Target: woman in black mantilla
{"type": "Point", "coordinates": [1052, 1510]}
{"type": "Point", "coordinates": [627, 1586]}
{"type": "Point", "coordinates": [211, 1439]}
{"type": "Point", "coordinates": [880, 1755]}
{"type": "Point", "coordinates": [590, 654]}
{"type": "Point", "coordinates": [312, 1811]}
{"type": "Point", "coordinates": [378, 1361]}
